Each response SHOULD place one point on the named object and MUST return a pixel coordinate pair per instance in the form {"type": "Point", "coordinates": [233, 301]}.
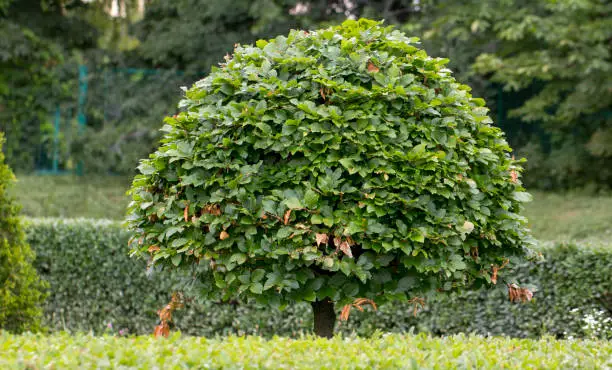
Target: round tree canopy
{"type": "Point", "coordinates": [337, 164]}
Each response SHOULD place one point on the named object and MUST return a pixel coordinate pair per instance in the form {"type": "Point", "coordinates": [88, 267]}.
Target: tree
{"type": "Point", "coordinates": [556, 56]}
{"type": "Point", "coordinates": [21, 290]}
{"type": "Point", "coordinates": [36, 39]}
{"type": "Point", "coordinates": [330, 166]}
{"type": "Point", "coordinates": [27, 79]}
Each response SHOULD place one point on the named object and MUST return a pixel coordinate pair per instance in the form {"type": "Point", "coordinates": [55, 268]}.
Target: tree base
{"type": "Point", "coordinates": [324, 318]}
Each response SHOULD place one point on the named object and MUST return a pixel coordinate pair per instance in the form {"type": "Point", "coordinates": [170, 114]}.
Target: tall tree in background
{"type": "Point", "coordinates": [26, 80]}
{"type": "Point", "coordinates": [36, 39]}
{"type": "Point", "coordinates": [196, 34]}
{"type": "Point", "coordinates": [556, 57]}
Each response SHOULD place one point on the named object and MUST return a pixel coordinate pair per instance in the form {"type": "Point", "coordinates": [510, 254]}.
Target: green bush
{"type": "Point", "coordinates": [328, 166]}
{"type": "Point", "coordinates": [94, 282]}
{"type": "Point", "coordinates": [388, 352]}
{"type": "Point", "coordinates": [21, 290]}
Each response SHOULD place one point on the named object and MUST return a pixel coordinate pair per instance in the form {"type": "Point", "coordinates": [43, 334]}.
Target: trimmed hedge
{"type": "Point", "coordinates": [388, 352]}
{"type": "Point", "coordinates": [94, 282]}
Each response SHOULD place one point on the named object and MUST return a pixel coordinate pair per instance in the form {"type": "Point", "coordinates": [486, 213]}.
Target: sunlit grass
{"type": "Point", "coordinates": [552, 216]}
{"type": "Point", "coordinates": [72, 196]}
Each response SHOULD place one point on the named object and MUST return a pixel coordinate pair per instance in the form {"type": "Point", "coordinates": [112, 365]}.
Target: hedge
{"type": "Point", "coordinates": [388, 352]}
{"type": "Point", "coordinates": [94, 282]}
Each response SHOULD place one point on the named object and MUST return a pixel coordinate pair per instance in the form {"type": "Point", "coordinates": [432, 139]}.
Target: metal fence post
{"type": "Point", "coordinates": [56, 133]}
{"type": "Point", "coordinates": [81, 117]}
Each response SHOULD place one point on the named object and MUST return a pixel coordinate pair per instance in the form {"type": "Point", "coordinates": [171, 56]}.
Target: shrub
{"type": "Point", "coordinates": [21, 290]}
{"type": "Point", "coordinates": [94, 283]}
{"type": "Point", "coordinates": [329, 166]}
{"type": "Point", "coordinates": [388, 352]}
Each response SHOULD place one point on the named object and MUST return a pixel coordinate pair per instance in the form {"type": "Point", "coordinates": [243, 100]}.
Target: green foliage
{"type": "Point", "coordinates": [388, 352]}
{"type": "Point", "coordinates": [27, 79]}
{"type": "Point", "coordinates": [87, 268]}
{"type": "Point", "coordinates": [36, 39]}
{"type": "Point", "coordinates": [121, 126]}
{"type": "Point", "coordinates": [213, 27]}
{"type": "Point", "coordinates": [558, 52]}
{"type": "Point", "coordinates": [340, 163]}
{"type": "Point", "coordinates": [93, 283]}
{"type": "Point", "coordinates": [21, 290]}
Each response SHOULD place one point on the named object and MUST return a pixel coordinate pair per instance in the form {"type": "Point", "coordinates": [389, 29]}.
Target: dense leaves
{"type": "Point", "coordinates": [553, 60]}
{"type": "Point", "coordinates": [21, 290]}
{"type": "Point", "coordinates": [36, 40]}
{"type": "Point", "coordinates": [94, 283]}
{"type": "Point", "coordinates": [388, 352]}
{"type": "Point", "coordinates": [27, 80]}
{"type": "Point", "coordinates": [351, 132]}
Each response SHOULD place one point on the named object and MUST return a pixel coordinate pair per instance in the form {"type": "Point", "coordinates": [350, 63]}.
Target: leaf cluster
{"type": "Point", "coordinates": [22, 293]}
{"type": "Point", "coordinates": [352, 132]}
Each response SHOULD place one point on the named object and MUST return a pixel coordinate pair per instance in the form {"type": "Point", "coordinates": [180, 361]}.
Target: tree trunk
{"type": "Point", "coordinates": [324, 318]}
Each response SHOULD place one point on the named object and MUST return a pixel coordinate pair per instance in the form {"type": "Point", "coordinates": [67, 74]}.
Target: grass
{"type": "Point", "coordinates": [552, 216]}
{"type": "Point", "coordinates": [571, 216]}
{"type": "Point", "coordinates": [64, 351]}
{"type": "Point", "coordinates": [72, 196]}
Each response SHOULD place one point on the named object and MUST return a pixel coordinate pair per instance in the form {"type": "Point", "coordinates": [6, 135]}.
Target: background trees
{"type": "Point", "coordinates": [543, 67]}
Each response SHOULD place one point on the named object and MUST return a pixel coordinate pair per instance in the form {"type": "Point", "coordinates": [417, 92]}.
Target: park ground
{"type": "Point", "coordinates": [572, 216]}
{"type": "Point", "coordinates": [579, 216]}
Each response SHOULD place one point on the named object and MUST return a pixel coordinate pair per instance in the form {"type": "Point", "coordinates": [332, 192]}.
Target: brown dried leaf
{"type": "Point", "coordinates": [372, 67]}
{"type": "Point", "coordinates": [224, 235]}
{"type": "Point", "coordinates": [161, 330]}
{"type": "Point", "coordinates": [513, 176]}
{"type": "Point", "coordinates": [358, 303]}
{"type": "Point", "coordinates": [474, 253]}
{"type": "Point", "coordinates": [322, 92]}
{"type": "Point", "coordinates": [518, 294]}
{"type": "Point", "coordinates": [494, 274]}
{"type": "Point", "coordinates": [337, 241]}
{"type": "Point", "coordinates": [165, 315]}
{"type": "Point", "coordinates": [153, 248]}
{"type": "Point", "coordinates": [362, 301]}
{"type": "Point", "coordinates": [212, 209]}
{"type": "Point", "coordinates": [346, 311]}
{"type": "Point", "coordinates": [346, 249]}
{"type": "Point", "coordinates": [186, 213]}
{"type": "Point", "coordinates": [321, 239]}
{"type": "Point", "coordinates": [287, 216]}
{"type": "Point", "coordinates": [495, 269]}
{"type": "Point", "coordinates": [416, 301]}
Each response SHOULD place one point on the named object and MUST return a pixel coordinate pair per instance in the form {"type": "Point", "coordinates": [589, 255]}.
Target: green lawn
{"type": "Point", "coordinates": [62, 351]}
{"type": "Point", "coordinates": [559, 217]}
{"type": "Point", "coordinates": [72, 196]}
